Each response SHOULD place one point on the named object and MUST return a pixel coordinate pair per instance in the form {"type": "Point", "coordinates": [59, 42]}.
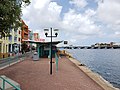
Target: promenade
{"type": "Point", "coordinates": [34, 75]}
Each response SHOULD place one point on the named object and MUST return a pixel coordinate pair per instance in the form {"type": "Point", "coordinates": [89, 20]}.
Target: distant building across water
{"type": "Point", "coordinates": [111, 45]}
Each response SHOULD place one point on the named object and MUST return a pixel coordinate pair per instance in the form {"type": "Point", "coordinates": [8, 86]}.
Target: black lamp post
{"type": "Point", "coordinates": [46, 33]}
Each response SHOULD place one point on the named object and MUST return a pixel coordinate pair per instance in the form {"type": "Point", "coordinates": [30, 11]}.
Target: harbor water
{"type": "Point", "coordinates": [105, 62]}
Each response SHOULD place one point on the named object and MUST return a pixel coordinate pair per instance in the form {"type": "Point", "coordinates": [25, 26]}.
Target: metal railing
{"type": "Point", "coordinates": [5, 80]}
{"type": "Point", "coordinates": [56, 58]}
{"type": "Point", "coordinates": [12, 59]}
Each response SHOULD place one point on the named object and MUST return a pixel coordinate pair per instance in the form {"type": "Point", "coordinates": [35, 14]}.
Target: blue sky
{"type": "Point", "coordinates": [80, 22]}
{"type": "Point", "coordinates": [65, 5]}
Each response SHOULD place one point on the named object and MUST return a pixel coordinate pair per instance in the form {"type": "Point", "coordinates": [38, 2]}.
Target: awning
{"type": "Point", "coordinates": [44, 43]}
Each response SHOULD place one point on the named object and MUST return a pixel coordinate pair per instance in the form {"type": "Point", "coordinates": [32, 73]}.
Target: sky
{"type": "Point", "coordinates": [80, 22]}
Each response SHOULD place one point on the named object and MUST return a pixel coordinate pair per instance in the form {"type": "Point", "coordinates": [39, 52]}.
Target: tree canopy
{"type": "Point", "coordinates": [10, 14]}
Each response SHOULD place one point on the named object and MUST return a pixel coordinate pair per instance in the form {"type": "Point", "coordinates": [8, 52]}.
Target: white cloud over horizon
{"type": "Point", "coordinates": [109, 12]}
{"type": "Point", "coordinates": [74, 26]}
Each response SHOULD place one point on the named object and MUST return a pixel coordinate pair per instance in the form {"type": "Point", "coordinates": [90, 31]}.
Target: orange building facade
{"type": "Point", "coordinates": [25, 32]}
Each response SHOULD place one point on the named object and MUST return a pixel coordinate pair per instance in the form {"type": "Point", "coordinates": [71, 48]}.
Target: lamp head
{"type": "Point", "coordinates": [56, 32]}
{"type": "Point", "coordinates": [46, 32]}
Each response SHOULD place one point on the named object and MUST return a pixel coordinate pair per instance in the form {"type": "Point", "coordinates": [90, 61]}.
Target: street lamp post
{"type": "Point", "coordinates": [46, 33]}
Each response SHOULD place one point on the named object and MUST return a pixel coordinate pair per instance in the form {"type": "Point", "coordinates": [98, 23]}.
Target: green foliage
{"type": "Point", "coordinates": [10, 14]}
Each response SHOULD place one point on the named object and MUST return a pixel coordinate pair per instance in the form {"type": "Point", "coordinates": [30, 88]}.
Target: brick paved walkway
{"type": "Point", "coordinates": [34, 75]}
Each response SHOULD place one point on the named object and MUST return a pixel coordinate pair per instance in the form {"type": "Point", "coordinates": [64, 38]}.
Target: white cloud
{"type": "Point", "coordinates": [76, 25]}
{"type": "Point", "coordinates": [40, 4]}
{"type": "Point", "coordinates": [38, 17]}
{"type": "Point", "coordinates": [79, 3]}
{"type": "Point", "coordinates": [80, 23]}
{"type": "Point", "coordinates": [80, 27]}
{"type": "Point", "coordinates": [117, 33]}
{"type": "Point", "coordinates": [45, 16]}
{"type": "Point", "coordinates": [54, 7]}
{"type": "Point", "coordinates": [109, 12]}
{"type": "Point", "coordinates": [114, 35]}
{"type": "Point", "coordinates": [90, 12]}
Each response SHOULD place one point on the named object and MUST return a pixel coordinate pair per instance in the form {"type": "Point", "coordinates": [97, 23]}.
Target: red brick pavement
{"type": "Point", "coordinates": [34, 75]}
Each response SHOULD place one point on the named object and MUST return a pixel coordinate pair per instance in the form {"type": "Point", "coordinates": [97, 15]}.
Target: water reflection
{"type": "Point", "coordinates": [106, 62]}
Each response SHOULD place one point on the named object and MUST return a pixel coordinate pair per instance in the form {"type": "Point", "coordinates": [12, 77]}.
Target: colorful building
{"type": "Point", "coordinates": [12, 44]}
{"type": "Point", "coordinates": [36, 36]}
{"type": "Point", "coordinates": [15, 40]}
{"type": "Point", "coordinates": [25, 35]}
{"type": "Point", "coordinates": [25, 32]}
{"type": "Point", "coordinates": [31, 37]}
{"type": "Point", "coordinates": [3, 46]}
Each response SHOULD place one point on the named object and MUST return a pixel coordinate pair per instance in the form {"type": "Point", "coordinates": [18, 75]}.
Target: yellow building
{"type": "Point", "coordinates": [11, 44]}
{"type": "Point", "coordinates": [3, 47]}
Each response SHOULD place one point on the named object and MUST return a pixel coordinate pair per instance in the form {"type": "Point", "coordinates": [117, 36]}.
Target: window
{"type": "Point", "coordinates": [19, 39]}
{"type": "Point", "coordinates": [19, 32]}
{"type": "Point", "coordinates": [15, 39]}
{"type": "Point", "coordinates": [10, 38]}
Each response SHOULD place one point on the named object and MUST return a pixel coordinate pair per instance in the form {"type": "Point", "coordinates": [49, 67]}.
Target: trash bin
{"type": "Point", "coordinates": [35, 56]}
